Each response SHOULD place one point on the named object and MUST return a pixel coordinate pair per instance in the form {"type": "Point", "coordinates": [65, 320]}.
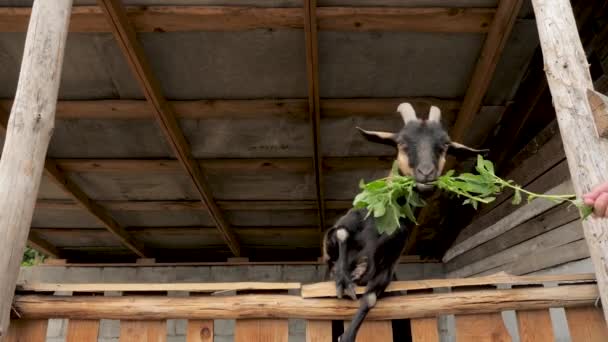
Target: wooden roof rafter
{"type": "Point", "coordinates": [58, 176]}
{"type": "Point", "coordinates": [164, 113]}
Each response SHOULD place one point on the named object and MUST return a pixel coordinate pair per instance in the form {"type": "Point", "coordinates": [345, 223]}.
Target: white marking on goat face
{"type": "Point", "coordinates": [371, 299]}
{"type": "Point", "coordinates": [342, 234]}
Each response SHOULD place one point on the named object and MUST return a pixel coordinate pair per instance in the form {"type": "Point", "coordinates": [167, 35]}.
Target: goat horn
{"type": "Point", "coordinates": [407, 112]}
{"type": "Point", "coordinates": [434, 114]}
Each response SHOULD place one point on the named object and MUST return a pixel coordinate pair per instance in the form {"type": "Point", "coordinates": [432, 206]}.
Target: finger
{"type": "Point", "coordinates": [599, 209]}
{"type": "Point", "coordinates": [597, 191]}
{"type": "Point", "coordinates": [589, 201]}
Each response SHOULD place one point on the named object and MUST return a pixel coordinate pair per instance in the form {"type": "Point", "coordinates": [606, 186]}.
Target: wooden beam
{"type": "Point", "coordinates": [497, 37]}
{"type": "Point", "coordinates": [42, 246]}
{"type": "Point", "coordinates": [569, 79]}
{"type": "Point", "coordinates": [285, 306]}
{"type": "Point", "coordinates": [29, 132]}
{"type": "Point", "coordinates": [157, 287]}
{"type": "Point", "coordinates": [164, 113]}
{"type": "Point", "coordinates": [239, 18]}
{"type": "Point", "coordinates": [314, 105]}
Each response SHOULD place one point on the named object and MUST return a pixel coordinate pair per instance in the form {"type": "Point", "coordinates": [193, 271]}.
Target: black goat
{"type": "Point", "coordinates": [355, 253]}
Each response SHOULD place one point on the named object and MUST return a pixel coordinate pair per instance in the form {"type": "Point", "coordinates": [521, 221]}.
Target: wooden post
{"type": "Point", "coordinates": [569, 79]}
{"type": "Point", "coordinates": [28, 134]}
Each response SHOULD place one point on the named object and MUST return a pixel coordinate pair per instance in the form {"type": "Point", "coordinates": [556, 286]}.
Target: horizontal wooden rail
{"type": "Point", "coordinates": [284, 306]}
{"type": "Point", "coordinates": [238, 18]}
{"type": "Point", "coordinates": [160, 287]}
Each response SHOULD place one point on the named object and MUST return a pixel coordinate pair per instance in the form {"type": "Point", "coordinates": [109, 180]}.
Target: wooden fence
{"type": "Point", "coordinates": [261, 315]}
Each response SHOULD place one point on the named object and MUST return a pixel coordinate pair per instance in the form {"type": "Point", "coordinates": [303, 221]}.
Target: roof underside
{"type": "Point", "coordinates": [257, 155]}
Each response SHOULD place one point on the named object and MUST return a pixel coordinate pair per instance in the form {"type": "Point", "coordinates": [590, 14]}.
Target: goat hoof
{"type": "Point", "coordinates": [351, 292]}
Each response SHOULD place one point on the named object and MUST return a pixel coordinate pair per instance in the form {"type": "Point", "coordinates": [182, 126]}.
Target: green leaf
{"type": "Point", "coordinates": [516, 197]}
{"type": "Point", "coordinates": [395, 169]}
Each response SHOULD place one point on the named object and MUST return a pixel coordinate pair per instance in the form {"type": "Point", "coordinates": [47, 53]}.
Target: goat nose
{"type": "Point", "coordinates": [425, 170]}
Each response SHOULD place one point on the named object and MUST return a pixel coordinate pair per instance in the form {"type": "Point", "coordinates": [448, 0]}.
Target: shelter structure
{"type": "Point", "coordinates": [214, 141]}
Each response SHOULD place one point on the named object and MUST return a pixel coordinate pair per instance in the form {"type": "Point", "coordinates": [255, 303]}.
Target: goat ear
{"type": "Point", "coordinates": [459, 150]}
{"type": "Point", "coordinates": [386, 138]}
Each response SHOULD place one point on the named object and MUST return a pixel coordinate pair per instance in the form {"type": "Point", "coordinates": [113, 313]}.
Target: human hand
{"type": "Point", "coordinates": [598, 199]}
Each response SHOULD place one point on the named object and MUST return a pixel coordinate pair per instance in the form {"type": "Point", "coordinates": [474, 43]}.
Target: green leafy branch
{"type": "Point", "coordinates": [382, 197]}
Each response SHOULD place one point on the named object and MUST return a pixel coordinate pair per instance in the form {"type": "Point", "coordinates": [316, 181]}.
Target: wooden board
{"type": "Point", "coordinates": [143, 331]}
{"type": "Point", "coordinates": [535, 326]}
{"type": "Point", "coordinates": [80, 330]}
{"type": "Point", "coordinates": [200, 331]}
{"type": "Point", "coordinates": [318, 331]}
{"type": "Point", "coordinates": [374, 331]}
{"type": "Point", "coordinates": [261, 330]}
{"type": "Point", "coordinates": [27, 330]}
{"type": "Point", "coordinates": [161, 287]}
{"type": "Point", "coordinates": [424, 330]}
{"type": "Point", "coordinates": [587, 324]}
{"type": "Point", "coordinates": [481, 328]}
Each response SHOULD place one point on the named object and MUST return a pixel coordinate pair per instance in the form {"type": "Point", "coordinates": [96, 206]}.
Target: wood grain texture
{"type": "Point", "coordinates": [160, 287]}
{"type": "Point", "coordinates": [239, 18]}
{"type": "Point", "coordinates": [586, 324]}
{"type": "Point", "coordinates": [481, 328]}
{"type": "Point", "coordinates": [29, 132]}
{"type": "Point", "coordinates": [318, 331]}
{"type": "Point", "coordinates": [567, 71]}
{"type": "Point", "coordinates": [373, 331]}
{"type": "Point", "coordinates": [535, 326]}
{"type": "Point", "coordinates": [285, 306]}
{"type": "Point", "coordinates": [143, 331]}
{"type": "Point", "coordinates": [261, 330]}
{"type": "Point", "coordinates": [424, 330]}
{"type": "Point", "coordinates": [80, 330]}
{"type": "Point", "coordinates": [199, 331]}
{"type": "Point", "coordinates": [599, 108]}
{"type": "Point", "coordinates": [164, 113]}
{"type": "Point", "coordinates": [27, 330]}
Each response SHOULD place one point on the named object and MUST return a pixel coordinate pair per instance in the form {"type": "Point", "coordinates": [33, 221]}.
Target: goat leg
{"type": "Point", "coordinates": [343, 280]}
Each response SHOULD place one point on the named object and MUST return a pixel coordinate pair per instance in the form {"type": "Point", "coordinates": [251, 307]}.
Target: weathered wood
{"type": "Point", "coordinates": [160, 287]}
{"type": "Point", "coordinates": [27, 330]}
{"type": "Point", "coordinates": [42, 246]}
{"type": "Point", "coordinates": [498, 34]}
{"type": "Point", "coordinates": [29, 131]}
{"type": "Point", "coordinates": [424, 330]}
{"type": "Point", "coordinates": [199, 331]}
{"type": "Point", "coordinates": [541, 224]}
{"type": "Point", "coordinates": [284, 306]}
{"type": "Point", "coordinates": [261, 330]}
{"type": "Point", "coordinates": [372, 331]}
{"type": "Point", "coordinates": [318, 331]}
{"type": "Point", "coordinates": [327, 289]}
{"type": "Point", "coordinates": [535, 325]}
{"type": "Point", "coordinates": [143, 331]}
{"type": "Point", "coordinates": [509, 222]}
{"type": "Point", "coordinates": [587, 324]}
{"type": "Point", "coordinates": [314, 104]}
{"type": "Point", "coordinates": [557, 237]}
{"type": "Point", "coordinates": [568, 76]}
{"type": "Point", "coordinates": [80, 330]}
{"type": "Point", "coordinates": [164, 113]}
{"type": "Point", "coordinates": [237, 18]}
{"type": "Point", "coordinates": [599, 109]}
{"type": "Point", "coordinates": [481, 328]}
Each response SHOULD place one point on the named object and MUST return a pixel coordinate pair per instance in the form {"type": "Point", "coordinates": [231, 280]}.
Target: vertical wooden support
{"type": "Point", "coordinates": [200, 331]}
{"type": "Point", "coordinates": [261, 330]}
{"type": "Point", "coordinates": [481, 327]}
{"type": "Point", "coordinates": [372, 331]}
{"type": "Point", "coordinates": [143, 331]}
{"type": "Point", "coordinates": [425, 330]}
{"type": "Point", "coordinates": [569, 79]}
{"type": "Point", "coordinates": [28, 134]}
{"type": "Point", "coordinates": [318, 331]}
{"type": "Point", "coordinates": [586, 324]}
{"type": "Point", "coordinates": [535, 325]}
{"type": "Point", "coordinates": [82, 330]}
{"type": "Point", "coordinates": [27, 330]}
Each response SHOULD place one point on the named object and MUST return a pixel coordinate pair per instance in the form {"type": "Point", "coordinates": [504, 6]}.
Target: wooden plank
{"type": "Point", "coordinates": [569, 78]}
{"type": "Point", "coordinates": [287, 306]}
{"type": "Point", "coordinates": [498, 34]}
{"type": "Point", "coordinates": [599, 108]}
{"type": "Point", "coordinates": [509, 222]}
{"type": "Point", "coordinates": [80, 330]}
{"type": "Point", "coordinates": [164, 113]}
{"type": "Point", "coordinates": [199, 331]}
{"type": "Point", "coordinates": [239, 18]}
{"type": "Point", "coordinates": [373, 331]}
{"type": "Point", "coordinates": [143, 331]}
{"type": "Point", "coordinates": [535, 326]}
{"type": "Point", "coordinates": [26, 330]}
{"type": "Point", "coordinates": [261, 330]}
{"type": "Point", "coordinates": [318, 331]}
{"type": "Point", "coordinates": [481, 328]}
{"type": "Point", "coordinates": [156, 287]}
{"type": "Point", "coordinates": [314, 105]}
{"type": "Point", "coordinates": [587, 324]}
{"type": "Point", "coordinates": [29, 132]}
{"type": "Point", "coordinates": [327, 289]}
{"type": "Point", "coordinates": [557, 237]}
{"type": "Point", "coordinates": [424, 330]}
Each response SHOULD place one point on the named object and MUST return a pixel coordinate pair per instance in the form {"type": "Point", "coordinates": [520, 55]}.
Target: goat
{"type": "Point", "coordinates": [354, 251]}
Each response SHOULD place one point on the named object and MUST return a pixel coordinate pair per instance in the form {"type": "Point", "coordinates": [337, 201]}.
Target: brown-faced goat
{"type": "Point", "coordinates": [355, 253]}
